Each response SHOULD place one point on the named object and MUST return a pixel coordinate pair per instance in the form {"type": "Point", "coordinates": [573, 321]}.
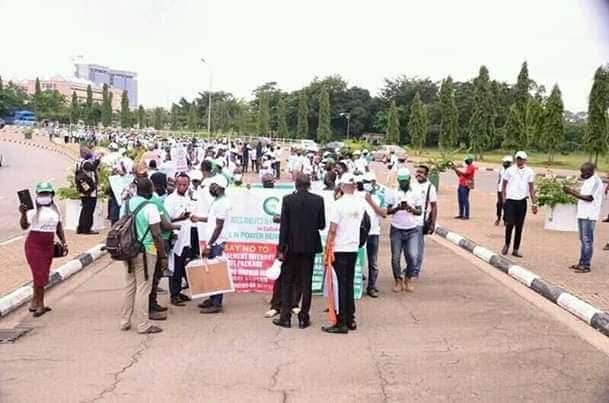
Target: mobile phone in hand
{"type": "Point", "coordinates": [25, 198]}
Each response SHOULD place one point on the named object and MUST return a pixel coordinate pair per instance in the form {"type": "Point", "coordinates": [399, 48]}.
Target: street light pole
{"type": "Point", "coordinates": [209, 99]}
{"type": "Point", "coordinates": [347, 115]}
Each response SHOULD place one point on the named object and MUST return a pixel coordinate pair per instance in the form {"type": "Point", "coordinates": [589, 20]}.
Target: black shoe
{"type": "Point", "coordinates": [515, 253]}
{"type": "Point", "coordinates": [158, 308]}
{"type": "Point", "coordinates": [282, 323]}
{"type": "Point", "coordinates": [184, 298]}
{"type": "Point", "coordinates": [205, 304]}
{"type": "Point", "coordinates": [304, 323]}
{"type": "Point", "coordinates": [372, 293]}
{"type": "Point", "coordinates": [212, 309]}
{"type": "Point", "coordinates": [335, 329]}
{"type": "Point", "coordinates": [605, 220]}
{"type": "Point", "coordinates": [157, 316]}
{"type": "Point", "coordinates": [352, 325]}
{"type": "Point", "coordinates": [458, 217]}
{"type": "Point", "coordinates": [505, 249]}
{"type": "Point", "coordinates": [176, 301]}
{"type": "Point", "coordinates": [90, 233]}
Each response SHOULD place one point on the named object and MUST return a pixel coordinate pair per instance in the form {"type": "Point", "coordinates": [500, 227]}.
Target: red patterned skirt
{"type": "Point", "coordinates": [39, 255]}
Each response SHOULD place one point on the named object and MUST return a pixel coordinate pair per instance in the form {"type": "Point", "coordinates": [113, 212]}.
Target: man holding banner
{"type": "Point", "coordinates": [302, 217]}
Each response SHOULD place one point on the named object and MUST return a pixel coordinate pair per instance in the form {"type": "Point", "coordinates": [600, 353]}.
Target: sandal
{"type": "Point", "coordinates": [575, 267]}
{"type": "Point", "coordinates": [582, 270]}
{"type": "Point", "coordinates": [606, 247]}
{"type": "Point", "coordinates": [41, 311]}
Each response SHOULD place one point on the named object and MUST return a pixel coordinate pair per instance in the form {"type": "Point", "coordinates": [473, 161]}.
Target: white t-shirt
{"type": "Point", "coordinates": [361, 164]}
{"type": "Point", "coordinates": [176, 205]}
{"type": "Point", "coordinates": [403, 219]}
{"type": "Point", "coordinates": [375, 219]}
{"type": "Point", "coordinates": [500, 179]}
{"type": "Point", "coordinates": [592, 186]}
{"type": "Point", "coordinates": [46, 221]}
{"type": "Point", "coordinates": [218, 210]}
{"type": "Point", "coordinates": [422, 188]}
{"type": "Point", "coordinates": [347, 214]}
{"type": "Point", "coordinates": [518, 180]}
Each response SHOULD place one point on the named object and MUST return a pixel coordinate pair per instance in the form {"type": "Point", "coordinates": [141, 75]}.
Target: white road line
{"type": "Point", "coordinates": [11, 240]}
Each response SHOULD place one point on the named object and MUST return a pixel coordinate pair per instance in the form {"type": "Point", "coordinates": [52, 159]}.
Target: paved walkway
{"type": "Point", "coordinates": [462, 337]}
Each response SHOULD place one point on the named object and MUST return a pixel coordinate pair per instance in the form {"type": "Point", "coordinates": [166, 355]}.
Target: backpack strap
{"type": "Point", "coordinates": [427, 199]}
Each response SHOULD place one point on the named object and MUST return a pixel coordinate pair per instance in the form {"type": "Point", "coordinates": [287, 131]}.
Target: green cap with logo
{"type": "Point", "coordinates": [468, 157]}
{"type": "Point", "coordinates": [44, 187]}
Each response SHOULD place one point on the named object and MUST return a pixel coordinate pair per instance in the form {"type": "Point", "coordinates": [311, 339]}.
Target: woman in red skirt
{"type": "Point", "coordinates": [44, 222]}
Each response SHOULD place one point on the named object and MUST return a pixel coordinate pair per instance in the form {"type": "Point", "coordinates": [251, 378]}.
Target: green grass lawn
{"type": "Point", "coordinates": [571, 161]}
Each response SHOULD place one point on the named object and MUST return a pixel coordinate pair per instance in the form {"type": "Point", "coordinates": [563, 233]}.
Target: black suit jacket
{"type": "Point", "coordinates": [302, 217]}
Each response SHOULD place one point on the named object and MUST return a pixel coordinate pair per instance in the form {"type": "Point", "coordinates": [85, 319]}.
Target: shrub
{"type": "Point", "coordinates": [550, 191]}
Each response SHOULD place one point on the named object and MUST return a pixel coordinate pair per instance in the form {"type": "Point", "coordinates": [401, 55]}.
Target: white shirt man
{"type": "Point", "coordinates": [219, 209]}
{"type": "Point", "coordinates": [518, 180]}
{"type": "Point", "coordinates": [424, 189]}
{"type": "Point", "coordinates": [591, 210]}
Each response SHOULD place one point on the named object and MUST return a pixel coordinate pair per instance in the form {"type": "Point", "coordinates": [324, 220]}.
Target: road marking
{"type": "Point", "coordinates": [11, 240]}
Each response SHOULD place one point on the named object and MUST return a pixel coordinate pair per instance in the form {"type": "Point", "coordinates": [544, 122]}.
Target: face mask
{"type": "Point", "coordinates": [368, 187]}
{"type": "Point", "coordinates": [360, 187]}
{"type": "Point", "coordinates": [44, 200]}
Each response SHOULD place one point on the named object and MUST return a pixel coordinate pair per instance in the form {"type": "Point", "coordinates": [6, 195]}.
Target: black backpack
{"type": "Point", "coordinates": [364, 230]}
{"type": "Point", "coordinates": [122, 242]}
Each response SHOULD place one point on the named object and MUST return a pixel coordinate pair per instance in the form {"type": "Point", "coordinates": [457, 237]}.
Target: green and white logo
{"type": "Point", "coordinates": [271, 206]}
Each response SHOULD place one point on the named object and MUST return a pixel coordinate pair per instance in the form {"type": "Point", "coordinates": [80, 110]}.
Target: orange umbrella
{"type": "Point", "coordinates": [328, 262]}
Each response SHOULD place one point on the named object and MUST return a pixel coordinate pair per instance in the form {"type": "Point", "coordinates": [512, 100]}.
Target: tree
{"type": "Point", "coordinates": [264, 115]}
{"type": "Point", "coordinates": [158, 118]}
{"type": "Point", "coordinates": [141, 116]}
{"type": "Point", "coordinates": [554, 124]}
{"type": "Point", "coordinates": [106, 117]}
{"type": "Point", "coordinates": [89, 112]}
{"type": "Point", "coordinates": [282, 123]}
{"type": "Point", "coordinates": [174, 117]}
{"type": "Point", "coordinates": [513, 130]}
{"type": "Point", "coordinates": [302, 126]}
{"type": "Point", "coordinates": [74, 109]}
{"type": "Point", "coordinates": [37, 89]}
{"type": "Point", "coordinates": [482, 123]}
{"type": "Point", "coordinates": [418, 124]}
{"type": "Point", "coordinates": [193, 117]}
{"type": "Point", "coordinates": [449, 116]}
{"type": "Point", "coordinates": [324, 133]}
{"type": "Point", "coordinates": [595, 140]}
{"type": "Point", "coordinates": [1, 85]}
{"type": "Point", "coordinates": [125, 111]}
{"type": "Point", "coordinates": [393, 124]}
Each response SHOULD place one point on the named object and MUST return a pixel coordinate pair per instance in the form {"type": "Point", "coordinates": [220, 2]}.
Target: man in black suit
{"type": "Point", "coordinates": [302, 217]}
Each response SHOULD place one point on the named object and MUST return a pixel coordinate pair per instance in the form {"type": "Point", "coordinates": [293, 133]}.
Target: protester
{"type": "Point", "coordinates": [217, 234]}
{"type": "Point", "coordinates": [505, 164]}
{"type": "Point", "coordinates": [139, 285]}
{"type": "Point", "coordinates": [376, 210]}
{"type": "Point", "coordinates": [404, 205]}
{"type": "Point", "coordinates": [590, 199]}
{"type": "Point", "coordinates": [518, 185]}
{"type": "Point", "coordinates": [86, 178]}
{"type": "Point", "coordinates": [179, 208]}
{"type": "Point", "coordinates": [466, 183]}
{"type": "Point", "coordinates": [426, 222]}
{"type": "Point", "coordinates": [302, 217]}
{"type": "Point", "coordinates": [43, 222]}
{"type": "Point", "coordinates": [343, 240]}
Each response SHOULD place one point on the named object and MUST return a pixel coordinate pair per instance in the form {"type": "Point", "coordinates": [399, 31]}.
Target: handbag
{"type": "Point", "coordinates": [470, 184]}
{"type": "Point", "coordinates": [59, 250]}
{"type": "Point", "coordinates": [427, 217]}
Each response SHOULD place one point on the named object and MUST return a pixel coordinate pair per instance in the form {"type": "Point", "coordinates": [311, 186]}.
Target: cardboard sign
{"type": "Point", "coordinates": [209, 277]}
{"type": "Point", "coordinates": [178, 154]}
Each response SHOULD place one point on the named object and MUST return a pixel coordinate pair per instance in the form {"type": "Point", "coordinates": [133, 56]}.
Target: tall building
{"type": "Point", "coordinates": [117, 79]}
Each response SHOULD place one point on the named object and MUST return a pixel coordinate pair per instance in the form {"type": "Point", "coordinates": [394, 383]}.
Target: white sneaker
{"type": "Point", "coordinates": [270, 313]}
{"type": "Point", "coordinates": [296, 310]}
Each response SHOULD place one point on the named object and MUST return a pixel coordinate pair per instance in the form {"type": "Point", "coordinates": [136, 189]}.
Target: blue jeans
{"type": "Point", "coordinates": [421, 249]}
{"type": "Point", "coordinates": [404, 241]}
{"type": "Point", "coordinates": [463, 197]}
{"type": "Point", "coordinates": [216, 251]}
{"type": "Point", "coordinates": [586, 237]}
{"type": "Point", "coordinates": [372, 250]}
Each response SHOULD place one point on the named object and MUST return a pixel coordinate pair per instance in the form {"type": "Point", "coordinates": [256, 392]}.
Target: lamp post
{"type": "Point", "coordinates": [347, 115]}
{"type": "Point", "coordinates": [209, 98]}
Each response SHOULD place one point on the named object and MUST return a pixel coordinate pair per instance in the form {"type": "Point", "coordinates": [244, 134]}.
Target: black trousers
{"type": "Point", "coordinates": [85, 221]}
{"type": "Point", "coordinates": [514, 213]}
{"type": "Point", "coordinates": [296, 275]}
{"type": "Point", "coordinates": [344, 266]}
{"type": "Point", "coordinates": [499, 205]}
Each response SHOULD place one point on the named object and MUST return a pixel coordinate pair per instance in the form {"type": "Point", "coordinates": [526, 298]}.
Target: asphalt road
{"type": "Point", "coordinates": [23, 167]}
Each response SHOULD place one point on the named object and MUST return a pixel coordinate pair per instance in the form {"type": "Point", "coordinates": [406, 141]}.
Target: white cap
{"type": "Point", "coordinates": [507, 158]}
{"type": "Point", "coordinates": [369, 176]}
{"type": "Point", "coordinates": [365, 151]}
{"type": "Point", "coordinates": [346, 179]}
{"type": "Point", "coordinates": [522, 155]}
{"type": "Point", "coordinates": [356, 152]}
{"type": "Point", "coordinates": [220, 180]}
{"type": "Point", "coordinates": [195, 175]}
{"type": "Point", "coordinates": [403, 173]}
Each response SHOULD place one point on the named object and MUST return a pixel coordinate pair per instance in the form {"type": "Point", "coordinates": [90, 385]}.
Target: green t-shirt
{"type": "Point", "coordinates": [166, 235]}
{"type": "Point", "coordinates": [142, 224]}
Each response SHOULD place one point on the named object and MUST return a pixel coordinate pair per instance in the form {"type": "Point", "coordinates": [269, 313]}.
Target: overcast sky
{"type": "Point", "coordinates": [252, 42]}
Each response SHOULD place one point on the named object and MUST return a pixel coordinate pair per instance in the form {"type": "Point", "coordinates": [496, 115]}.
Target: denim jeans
{"type": "Point", "coordinates": [463, 196]}
{"type": "Point", "coordinates": [586, 237]}
{"type": "Point", "coordinates": [372, 250]}
{"type": "Point", "coordinates": [404, 241]}
{"type": "Point", "coordinates": [421, 250]}
{"type": "Point", "coordinates": [216, 251]}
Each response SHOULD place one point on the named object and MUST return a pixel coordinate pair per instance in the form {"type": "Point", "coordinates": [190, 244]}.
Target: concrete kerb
{"type": "Point", "coordinates": [45, 147]}
{"type": "Point", "coordinates": [569, 302]}
{"type": "Point", "coordinates": [23, 294]}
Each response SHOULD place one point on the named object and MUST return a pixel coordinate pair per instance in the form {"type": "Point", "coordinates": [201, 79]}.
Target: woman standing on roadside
{"type": "Point", "coordinates": [44, 222]}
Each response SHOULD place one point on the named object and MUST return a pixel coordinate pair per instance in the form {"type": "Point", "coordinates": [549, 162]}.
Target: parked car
{"type": "Point", "coordinates": [335, 146]}
{"type": "Point", "coordinates": [382, 153]}
{"type": "Point", "coordinates": [308, 145]}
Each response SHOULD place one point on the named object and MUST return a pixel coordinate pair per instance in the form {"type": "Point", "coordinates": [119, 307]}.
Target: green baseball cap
{"type": "Point", "coordinates": [468, 157]}
{"type": "Point", "coordinates": [44, 187]}
{"type": "Point", "coordinates": [403, 174]}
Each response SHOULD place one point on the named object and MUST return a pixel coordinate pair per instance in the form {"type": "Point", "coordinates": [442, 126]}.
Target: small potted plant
{"type": "Point", "coordinates": [560, 207]}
